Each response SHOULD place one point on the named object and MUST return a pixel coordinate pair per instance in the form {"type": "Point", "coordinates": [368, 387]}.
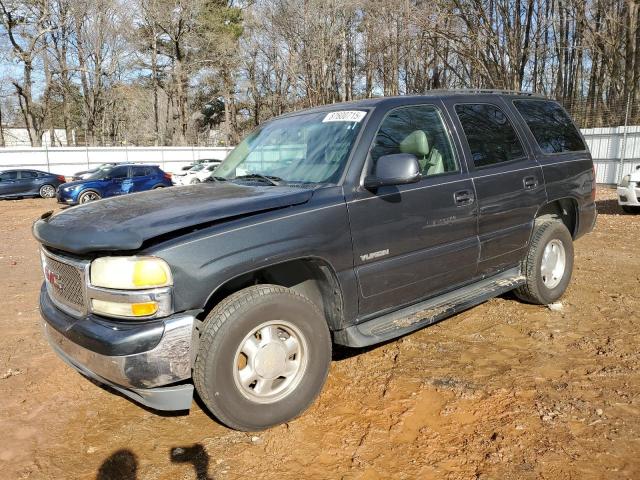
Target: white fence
{"type": "Point", "coordinates": [606, 145]}
{"type": "Point", "coordinates": [68, 160]}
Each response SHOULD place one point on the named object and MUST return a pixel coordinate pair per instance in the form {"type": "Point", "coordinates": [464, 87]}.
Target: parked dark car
{"type": "Point", "coordinates": [113, 181]}
{"type": "Point", "coordinates": [84, 174]}
{"type": "Point", "coordinates": [349, 224]}
{"type": "Point", "coordinates": [29, 183]}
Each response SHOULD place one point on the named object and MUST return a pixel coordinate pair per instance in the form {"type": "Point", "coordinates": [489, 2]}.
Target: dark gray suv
{"type": "Point", "coordinates": [348, 224]}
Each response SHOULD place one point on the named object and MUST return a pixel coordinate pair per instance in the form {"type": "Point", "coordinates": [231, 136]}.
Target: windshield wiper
{"type": "Point", "coordinates": [258, 176]}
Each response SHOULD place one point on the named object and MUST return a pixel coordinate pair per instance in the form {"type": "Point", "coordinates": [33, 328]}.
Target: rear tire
{"type": "Point", "coordinates": [88, 196]}
{"type": "Point", "coordinates": [47, 191]}
{"type": "Point", "coordinates": [263, 357]}
{"type": "Point", "coordinates": [548, 264]}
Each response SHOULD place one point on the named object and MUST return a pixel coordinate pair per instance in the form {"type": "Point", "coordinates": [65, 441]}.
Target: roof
{"type": "Point", "coordinates": [404, 99]}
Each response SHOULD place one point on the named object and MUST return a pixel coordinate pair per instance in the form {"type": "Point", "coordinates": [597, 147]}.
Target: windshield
{"type": "Point", "coordinates": [307, 148]}
{"type": "Point", "coordinates": [197, 168]}
{"type": "Point", "coordinates": [100, 174]}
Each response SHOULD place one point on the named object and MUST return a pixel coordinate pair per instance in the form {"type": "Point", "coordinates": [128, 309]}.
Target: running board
{"type": "Point", "coordinates": [415, 317]}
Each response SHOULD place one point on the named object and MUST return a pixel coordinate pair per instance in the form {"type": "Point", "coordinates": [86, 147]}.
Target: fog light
{"type": "Point", "coordinates": [118, 309]}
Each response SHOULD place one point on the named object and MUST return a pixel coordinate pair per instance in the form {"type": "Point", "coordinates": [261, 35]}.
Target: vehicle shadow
{"type": "Point", "coordinates": [609, 207]}
{"type": "Point", "coordinates": [123, 464]}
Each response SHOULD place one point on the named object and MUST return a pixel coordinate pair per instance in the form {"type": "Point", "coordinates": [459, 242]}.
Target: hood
{"type": "Point", "coordinates": [76, 183]}
{"type": "Point", "coordinates": [124, 223]}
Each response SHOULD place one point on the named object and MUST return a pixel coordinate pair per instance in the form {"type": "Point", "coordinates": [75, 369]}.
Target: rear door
{"type": "Point", "coordinates": [141, 176]}
{"type": "Point", "coordinates": [9, 183]}
{"type": "Point", "coordinates": [29, 182]}
{"type": "Point", "coordinates": [413, 241]}
{"type": "Point", "coordinates": [508, 181]}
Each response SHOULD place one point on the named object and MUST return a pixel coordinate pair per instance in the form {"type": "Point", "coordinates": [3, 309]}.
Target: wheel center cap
{"type": "Point", "coordinates": [270, 360]}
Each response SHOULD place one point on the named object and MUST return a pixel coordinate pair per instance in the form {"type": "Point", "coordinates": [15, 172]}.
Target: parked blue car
{"type": "Point", "coordinates": [118, 180]}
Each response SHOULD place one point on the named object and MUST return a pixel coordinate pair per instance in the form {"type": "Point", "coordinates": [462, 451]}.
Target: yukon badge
{"type": "Point", "coordinates": [370, 256]}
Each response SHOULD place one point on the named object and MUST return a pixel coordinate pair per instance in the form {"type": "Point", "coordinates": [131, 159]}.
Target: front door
{"type": "Point", "coordinates": [413, 241]}
{"type": "Point", "coordinates": [508, 182]}
{"type": "Point", "coordinates": [9, 184]}
{"type": "Point", "coordinates": [118, 182]}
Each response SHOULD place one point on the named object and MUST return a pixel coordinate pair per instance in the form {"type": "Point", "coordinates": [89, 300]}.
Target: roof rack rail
{"type": "Point", "coordinates": [496, 91]}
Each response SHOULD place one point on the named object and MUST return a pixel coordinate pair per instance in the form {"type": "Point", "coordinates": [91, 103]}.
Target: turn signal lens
{"type": "Point", "coordinates": [130, 273]}
{"type": "Point", "coordinates": [118, 309]}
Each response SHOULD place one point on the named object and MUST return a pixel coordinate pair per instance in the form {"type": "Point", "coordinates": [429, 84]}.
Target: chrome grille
{"type": "Point", "coordinates": [65, 283]}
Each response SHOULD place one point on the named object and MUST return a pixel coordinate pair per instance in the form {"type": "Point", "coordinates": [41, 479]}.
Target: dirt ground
{"type": "Point", "coordinates": [504, 390]}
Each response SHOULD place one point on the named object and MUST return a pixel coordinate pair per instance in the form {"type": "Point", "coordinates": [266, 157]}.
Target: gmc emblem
{"type": "Point", "coordinates": [53, 279]}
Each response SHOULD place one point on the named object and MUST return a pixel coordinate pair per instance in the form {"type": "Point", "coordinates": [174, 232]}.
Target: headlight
{"type": "Point", "coordinates": [130, 287]}
{"type": "Point", "coordinates": [130, 273]}
{"type": "Point", "coordinates": [625, 181]}
{"type": "Point", "coordinates": [70, 189]}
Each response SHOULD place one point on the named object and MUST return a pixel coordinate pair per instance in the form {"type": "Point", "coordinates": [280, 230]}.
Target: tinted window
{"type": "Point", "coordinates": [491, 137]}
{"type": "Point", "coordinates": [118, 172]}
{"type": "Point", "coordinates": [8, 176]}
{"type": "Point", "coordinates": [28, 174]}
{"type": "Point", "coordinates": [420, 131]}
{"type": "Point", "coordinates": [550, 125]}
{"type": "Point", "coordinates": [142, 171]}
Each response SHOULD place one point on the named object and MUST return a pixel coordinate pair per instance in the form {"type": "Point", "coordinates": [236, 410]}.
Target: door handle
{"type": "Point", "coordinates": [463, 197]}
{"type": "Point", "coordinates": [530, 183]}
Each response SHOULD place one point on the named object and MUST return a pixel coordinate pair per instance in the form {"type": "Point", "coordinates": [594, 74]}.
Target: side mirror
{"type": "Point", "coordinates": [395, 169]}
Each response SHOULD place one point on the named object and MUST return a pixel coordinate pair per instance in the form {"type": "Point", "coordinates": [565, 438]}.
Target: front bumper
{"type": "Point", "coordinates": [629, 195]}
{"type": "Point", "coordinates": [149, 369]}
{"type": "Point", "coordinates": [67, 198]}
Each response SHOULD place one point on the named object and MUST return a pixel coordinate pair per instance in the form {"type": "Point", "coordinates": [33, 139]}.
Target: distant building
{"type": "Point", "coordinates": [19, 137]}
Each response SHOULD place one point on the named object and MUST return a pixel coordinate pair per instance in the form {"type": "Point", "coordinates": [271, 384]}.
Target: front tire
{"type": "Point", "coordinates": [263, 357]}
{"type": "Point", "coordinates": [548, 264]}
{"type": "Point", "coordinates": [88, 196]}
{"type": "Point", "coordinates": [47, 191]}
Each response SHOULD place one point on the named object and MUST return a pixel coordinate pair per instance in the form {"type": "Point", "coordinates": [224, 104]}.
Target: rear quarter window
{"type": "Point", "coordinates": [550, 125]}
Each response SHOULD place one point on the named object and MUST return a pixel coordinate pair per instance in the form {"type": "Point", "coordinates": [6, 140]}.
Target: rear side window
{"type": "Point", "coordinates": [28, 174]}
{"type": "Point", "coordinates": [420, 131]}
{"type": "Point", "coordinates": [491, 137]}
{"type": "Point", "coordinates": [143, 171]}
{"type": "Point", "coordinates": [550, 125]}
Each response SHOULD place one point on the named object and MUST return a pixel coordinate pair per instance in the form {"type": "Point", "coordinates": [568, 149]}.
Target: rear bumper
{"type": "Point", "coordinates": [148, 376]}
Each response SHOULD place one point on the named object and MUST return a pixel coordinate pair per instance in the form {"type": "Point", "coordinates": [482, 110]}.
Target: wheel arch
{"type": "Point", "coordinates": [565, 209]}
{"type": "Point", "coordinates": [312, 277]}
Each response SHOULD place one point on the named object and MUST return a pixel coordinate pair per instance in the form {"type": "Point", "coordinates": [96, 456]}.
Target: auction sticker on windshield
{"type": "Point", "coordinates": [344, 116]}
